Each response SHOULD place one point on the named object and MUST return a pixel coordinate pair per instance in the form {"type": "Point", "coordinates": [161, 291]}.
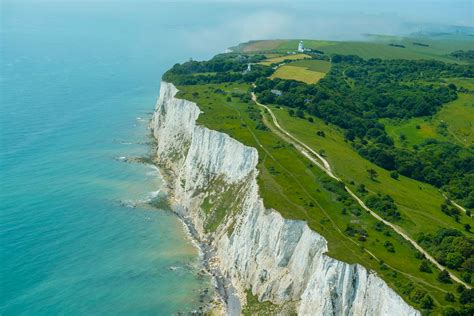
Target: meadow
{"type": "Point", "coordinates": [454, 122]}
{"type": "Point", "coordinates": [308, 71]}
{"type": "Point", "coordinates": [280, 58]}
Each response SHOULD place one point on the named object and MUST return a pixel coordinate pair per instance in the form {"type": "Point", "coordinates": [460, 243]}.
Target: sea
{"type": "Point", "coordinates": [79, 82]}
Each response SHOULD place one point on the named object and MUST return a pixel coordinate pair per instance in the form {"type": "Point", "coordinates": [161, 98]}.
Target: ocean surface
{"type": "Point", "coordinates": [79, 81]}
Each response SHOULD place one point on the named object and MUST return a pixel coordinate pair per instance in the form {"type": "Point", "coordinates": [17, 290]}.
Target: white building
{"type": "Point", "coordinates": [249, 68]}
{"type": "Point", "coordinates": [301, 47]}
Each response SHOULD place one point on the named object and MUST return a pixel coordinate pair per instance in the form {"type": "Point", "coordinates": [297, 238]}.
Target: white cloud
{"type": "Point", "coordinates": [241, 28]}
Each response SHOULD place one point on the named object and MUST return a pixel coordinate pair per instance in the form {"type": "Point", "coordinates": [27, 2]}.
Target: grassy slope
{"type": "Point", "coordinates": [279, 59]}
{"type": "Point", "coordinates": [308, 71]}
{"type": "Point", "coordinates": [314, 65]}
{"type": "Point", "coordinates": [458, 115]}
{"type": "Point", "coordinates": [302, 74]}
{"type": "Point", "coordinates": [290, 185]}
{"type": "Point", "coordinates": [418, 202]}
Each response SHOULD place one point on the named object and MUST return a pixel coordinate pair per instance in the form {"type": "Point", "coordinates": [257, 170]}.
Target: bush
{"type": "Point", "coordinates": [389, 246]}
{"type": "Point", "coordinates": [355, 230]}
{"type": "Point", "coordinates": [467, 297]}
{"type": "Point", "coordinates": [426, 302]}
{"type": "Point", "coordinates": [394, 175]}
{"type": "Point", "coordinates": [449, 297]}
{"type": "Point", "coordinates": [467, 277]}
{"type": "Point", "coordinates": [449, 311]}
{"type": "Point", "coordinates": [444, 277]}
{"type": "Point", "coordinates": [425, 266]}
{"type": "Point", "coordinates": [384, 205]}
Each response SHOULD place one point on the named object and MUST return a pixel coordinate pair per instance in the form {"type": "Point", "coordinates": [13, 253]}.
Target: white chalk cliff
{"type": "Point", "coordinates": [279, 260]}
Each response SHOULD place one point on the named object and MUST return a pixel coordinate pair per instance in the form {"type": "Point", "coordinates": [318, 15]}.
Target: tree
{"type": "Point", "coordinates": [454, 260]}
{"type": "Point", "coordinates": [372, 174]}
{"type": "Point", "coordinates": [300, 113]}
{"type": "Point", "coordinates": [394, 175]}
{"type": "Point", "coordinates": [468, 265]}
{"type": "Point", "coordinates": [425, 267]}
{"type": "Point", "coordinates": [467, 227]}
{"type": "Point", "coordinates": [349, 135]}
{"type": "Point", "coordinates": [361, 188]}
{"type": "Point", "coordinates": [426, 302]}
{"type": "Point", "coordinates": [449, 297]}
{"type": "Point", "coordinates": [466, 276]}
{"type": "Point", "coordinates": [467, 296]}
{"type": "Point", "coordinates": [444, 277]}
{"type": "Point", "coordinates": [450, 311]}
{"type": "Point", "coordinates": [460, 288]}
{"type": "Point", "coordinates": [389, 246]}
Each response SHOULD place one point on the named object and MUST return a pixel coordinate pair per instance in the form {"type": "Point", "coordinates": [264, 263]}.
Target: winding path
{"type": "Point", "coordinates": [324, 165]}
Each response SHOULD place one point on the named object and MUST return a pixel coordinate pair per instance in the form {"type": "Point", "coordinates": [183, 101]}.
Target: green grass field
{"type": "Point", "coordinates": [417, 201]}
{"type": "Point", "coordinates": [373, 47]}
{"type": "Point", "coordinates": [298, 190]}
{"type": "Point", "coordinates": [279, 59]}
{"type": "Point", "coordinates": [457, 116]}
{"type": "Point", "coordinates": [313, 65]}
{"type": "Point", "coordinates": [415, 131]}
{"type": "Point", "coordinates": [303, 74]}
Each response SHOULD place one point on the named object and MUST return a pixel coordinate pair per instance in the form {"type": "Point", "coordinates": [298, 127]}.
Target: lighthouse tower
{"type": "Point", "coordinates": [301, 47]}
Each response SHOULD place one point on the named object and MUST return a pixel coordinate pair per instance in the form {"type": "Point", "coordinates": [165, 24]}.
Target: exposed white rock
{"type": "Point", "coordinates": [280, 260]}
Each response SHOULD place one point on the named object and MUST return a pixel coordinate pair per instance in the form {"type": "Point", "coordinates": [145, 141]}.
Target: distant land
{"type": "Point", "coordinates": [369, 143]}
{"type": "Point", "coordinates": [437, 47]}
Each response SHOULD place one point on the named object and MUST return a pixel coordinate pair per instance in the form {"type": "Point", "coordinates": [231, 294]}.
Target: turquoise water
{"type": "Point", "coordinates": [78, 84]}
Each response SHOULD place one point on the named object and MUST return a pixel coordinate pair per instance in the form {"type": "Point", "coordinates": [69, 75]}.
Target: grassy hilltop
{"type": "Point", "coordinates": [375, 46]}
{"type": "Point", "coordinates": [305, 92]}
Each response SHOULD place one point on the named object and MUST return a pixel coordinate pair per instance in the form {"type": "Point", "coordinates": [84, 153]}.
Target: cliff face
{"type": "Point", "coordinates": [212, 182]}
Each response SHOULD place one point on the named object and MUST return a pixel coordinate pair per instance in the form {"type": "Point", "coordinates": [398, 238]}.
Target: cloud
{"type": "Point", "coordinates": [240, 28]}
{"type": "Point", "coordinates": [319, 19]}
{"type": "Point", "coordinates": [270, 24]}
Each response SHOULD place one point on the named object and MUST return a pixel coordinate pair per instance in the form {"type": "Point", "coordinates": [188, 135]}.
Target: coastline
{"type": "Point", "coordinates": [225, 299]}
{"type": "Point", "coordinates": [282, 265]}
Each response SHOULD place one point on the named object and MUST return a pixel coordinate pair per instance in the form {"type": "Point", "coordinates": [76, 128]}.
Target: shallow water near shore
{"type": "Point", "coordinates": [77, 96]}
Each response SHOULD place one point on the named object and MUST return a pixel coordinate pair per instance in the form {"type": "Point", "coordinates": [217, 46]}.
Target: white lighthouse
{"type": "Point", "coordinates": [301, 47]}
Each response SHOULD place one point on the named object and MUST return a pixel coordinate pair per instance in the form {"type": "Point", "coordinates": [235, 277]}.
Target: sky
{"type": "Point", "coordinates": [334, 19]}
{"type": "Point", "coordinates": [225, 23]}
{"type": "Point", "coordinates": [458, 12]}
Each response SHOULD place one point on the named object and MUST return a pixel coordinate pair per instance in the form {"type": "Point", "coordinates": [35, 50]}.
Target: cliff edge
{"type": "Point", "coordinates": [212, 184]}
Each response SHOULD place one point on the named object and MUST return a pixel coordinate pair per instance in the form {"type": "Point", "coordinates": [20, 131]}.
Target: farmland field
{"type": "Point", "coordinates": [280, 59]}
{"type": "Point", "coordinates": [313, 65]}
{"type": "Point", "coordinates": [298, 73]}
